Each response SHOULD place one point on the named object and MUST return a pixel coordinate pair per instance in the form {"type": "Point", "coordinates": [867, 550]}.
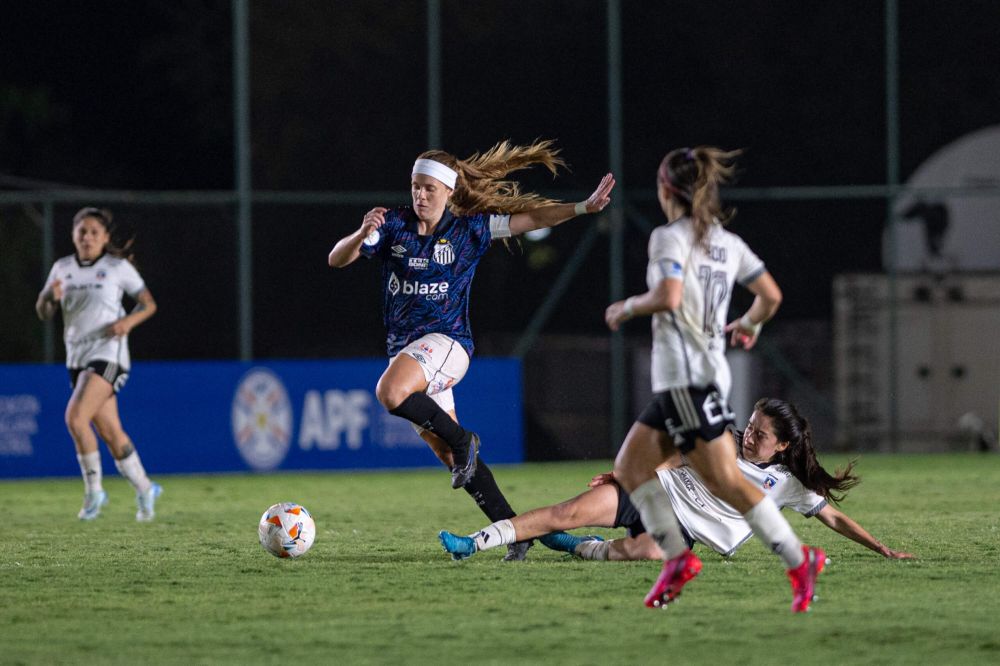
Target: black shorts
{"type": "Point", "coordinates": [113, 373]}
{"type": "Point", "coordinates": [688, 414]}
{"type": "Point", "coordinates": [628, 517]}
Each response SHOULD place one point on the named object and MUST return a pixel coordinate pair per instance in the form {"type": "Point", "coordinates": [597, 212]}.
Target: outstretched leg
{"type": "Point", "coordinates": [594, 508]}
{"type": "Point", "coordinates": [91, 391]}
{"type": "Point", "coordinates": [109, 427]}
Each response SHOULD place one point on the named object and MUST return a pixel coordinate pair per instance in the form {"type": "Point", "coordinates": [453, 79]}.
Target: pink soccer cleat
{"type": "Point", "coordinates": [803, 578]}
{"type": "Point", "coordinates": [676, 572]}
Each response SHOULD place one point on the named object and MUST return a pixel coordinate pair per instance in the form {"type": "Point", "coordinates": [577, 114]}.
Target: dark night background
{"type": "Point", "coordinates": [138, 96]}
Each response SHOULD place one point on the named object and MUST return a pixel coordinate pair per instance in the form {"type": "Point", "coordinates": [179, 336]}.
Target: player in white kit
{"type": "Point", "coordinates": [89, 286]}
{"type": "Point", "coordinates": [693, 264]}
{"type": "Point", "coordinates": [775, 453]}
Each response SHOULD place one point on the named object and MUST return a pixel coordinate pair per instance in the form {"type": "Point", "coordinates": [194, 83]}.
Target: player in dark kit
{"type": "Point", "coordinates": [430, 252]}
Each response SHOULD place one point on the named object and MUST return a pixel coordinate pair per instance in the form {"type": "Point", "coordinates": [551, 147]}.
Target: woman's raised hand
{"type": "Point", "coordinates": [601, 197]}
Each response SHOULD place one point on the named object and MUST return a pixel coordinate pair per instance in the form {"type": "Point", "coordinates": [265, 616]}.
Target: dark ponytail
{"type": "Point", "coordinates": [693, 176]}
{"type": "Point", "coordinates": [800, 457]}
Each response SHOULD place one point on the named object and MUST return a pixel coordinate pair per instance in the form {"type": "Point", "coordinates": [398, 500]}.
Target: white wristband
{"type": "Point", "coordinates": [580, 208]}
{"type": "Point", "coordinates": [629, 307]}
{"type": "Point", "coordinates": [748, 324]}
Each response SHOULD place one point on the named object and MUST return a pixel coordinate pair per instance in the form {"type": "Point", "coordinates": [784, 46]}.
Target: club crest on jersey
{"type": "Point", "coordinates": [398, 251]}
{"type": "Point", "coordinates": [769, 482]}
{"type": "Point", "coordinates": [372, 238]}
{"type": "Point", "coordinates": [444, 253]}
{"type": "Point", "coordinates": [101, 274]}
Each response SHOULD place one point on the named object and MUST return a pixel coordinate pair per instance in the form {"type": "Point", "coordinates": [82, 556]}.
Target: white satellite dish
{"type": "Point", "coordinates": [952, 232]}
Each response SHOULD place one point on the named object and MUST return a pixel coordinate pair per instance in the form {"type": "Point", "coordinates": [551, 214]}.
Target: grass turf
{"type": "Point", "coordinates": [194, 587]}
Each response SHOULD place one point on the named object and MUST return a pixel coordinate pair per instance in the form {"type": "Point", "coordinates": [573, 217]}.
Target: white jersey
{"type": "Point", "coordinates": [92, 300]}
{"type": "Point", "coordinates": [714, 523]}
{"type": "Point", "coordinates": [689, 345]}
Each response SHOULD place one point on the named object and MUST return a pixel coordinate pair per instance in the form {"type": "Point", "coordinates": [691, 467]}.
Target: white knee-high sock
{"type": "Point", "coordinates": [653, 503]}
{"type": "Point", "coordinates": [90, 468]}
{"type": "Point", "coordinates": [771, 527]}
{"type": "Point", "coordinates": [500, 533]}
{"type": "Point", "coordinates": [131, 468]}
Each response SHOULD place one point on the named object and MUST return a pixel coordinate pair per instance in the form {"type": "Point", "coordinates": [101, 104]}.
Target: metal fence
{"type": "Point", "coordinates": [247, 281]}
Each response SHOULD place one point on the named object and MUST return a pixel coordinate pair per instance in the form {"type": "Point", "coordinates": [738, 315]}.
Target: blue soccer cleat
{"type": "Point", "coordinates": [460, 547]}
{"type": "Point", "coordinates": [566, 542]}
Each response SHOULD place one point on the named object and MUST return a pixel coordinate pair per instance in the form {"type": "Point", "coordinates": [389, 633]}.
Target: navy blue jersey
{"type": "Point", "coordinates": [427, 279]}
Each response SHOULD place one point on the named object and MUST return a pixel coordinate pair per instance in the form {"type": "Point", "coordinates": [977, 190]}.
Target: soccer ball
{"type": "Point", "coordinates": [286, 530]}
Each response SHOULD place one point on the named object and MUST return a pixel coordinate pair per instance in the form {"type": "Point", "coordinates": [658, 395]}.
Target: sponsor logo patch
{"type": "Point", "coordinates": [418, 263]}
{"type": "Point", "coordinates": [432, 291]}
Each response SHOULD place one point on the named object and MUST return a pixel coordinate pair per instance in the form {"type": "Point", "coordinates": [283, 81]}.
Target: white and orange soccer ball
{"type": "Point", "coordinates": [286, 530]}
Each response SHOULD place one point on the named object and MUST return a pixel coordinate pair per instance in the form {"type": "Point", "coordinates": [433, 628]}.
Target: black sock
{"type": "Point", "coordinates": [482, 487]}
{"type": "Point", "coordinates": [420, 409]}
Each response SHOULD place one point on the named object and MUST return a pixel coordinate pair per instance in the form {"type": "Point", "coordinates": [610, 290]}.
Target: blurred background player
{"type": "Point", "coordinates": [775, 453]}
{"type": "Point", "coordinates": [88, 286]}
{"type": "Point", "coordinates": [430, 251]}
{"type": "Point", "coordinates": [693, 264]}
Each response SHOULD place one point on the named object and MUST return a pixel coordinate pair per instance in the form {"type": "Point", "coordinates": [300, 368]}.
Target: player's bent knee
{"type": "Point", "coordinates": [388, 395]}
{"type": "Point", "coordinates": [628, 478]}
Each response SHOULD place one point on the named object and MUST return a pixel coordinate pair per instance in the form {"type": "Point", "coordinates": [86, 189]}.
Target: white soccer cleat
{"type": "Point", "coordinates": [92, 503]}
{"type": "Point", "coordinates": [146, 502]}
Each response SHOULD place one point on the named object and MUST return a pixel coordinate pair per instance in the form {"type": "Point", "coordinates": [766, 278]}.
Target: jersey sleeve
{"type": "Point", "coordinates": [485, 227]}
{"type": "Point", "coordinates": [53, 276]}
{"type": "Point", "coordinates": [750, 266]}
{"type": "Point", "coordinates": [667, 254]}
{"type": "Point", "coordinates": [131, 282]}
{"type": "Point", "coordinates": [799, 498]}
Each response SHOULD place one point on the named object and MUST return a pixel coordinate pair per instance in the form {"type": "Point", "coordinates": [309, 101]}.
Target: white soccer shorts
{"type": "Point", "coordinates": [444, 363]}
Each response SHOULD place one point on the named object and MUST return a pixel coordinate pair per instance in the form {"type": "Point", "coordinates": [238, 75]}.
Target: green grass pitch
{"type": "Point", "coordinates": [194, 587]}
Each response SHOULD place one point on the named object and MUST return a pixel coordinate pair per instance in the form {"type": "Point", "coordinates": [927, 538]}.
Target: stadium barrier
{"type": "Point", "coordinates": [227, 416]}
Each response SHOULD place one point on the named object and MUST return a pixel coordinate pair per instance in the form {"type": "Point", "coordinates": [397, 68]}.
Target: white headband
{"type": "Point", "coordinates": [436, 170]}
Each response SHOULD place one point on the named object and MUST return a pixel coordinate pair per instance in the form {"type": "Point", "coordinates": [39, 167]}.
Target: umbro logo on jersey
{"type": "Point", "coordinates": [398, 250]}
{"type": "Point", "coordinates": [444, 253]}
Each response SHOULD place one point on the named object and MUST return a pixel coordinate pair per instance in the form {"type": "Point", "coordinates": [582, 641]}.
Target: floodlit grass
{"type": "Point", "coordinates": [194, 587]}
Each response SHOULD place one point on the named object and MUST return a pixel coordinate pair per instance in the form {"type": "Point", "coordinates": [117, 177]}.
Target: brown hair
{"type": "Point", "coordinates": [480, 187]}
{"type": "Point", "coordinates": [693, 176]}
{"type": "Point", "coordinates": [116, 246]}
{"type": "Point", "coordinates": [800, 457]}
